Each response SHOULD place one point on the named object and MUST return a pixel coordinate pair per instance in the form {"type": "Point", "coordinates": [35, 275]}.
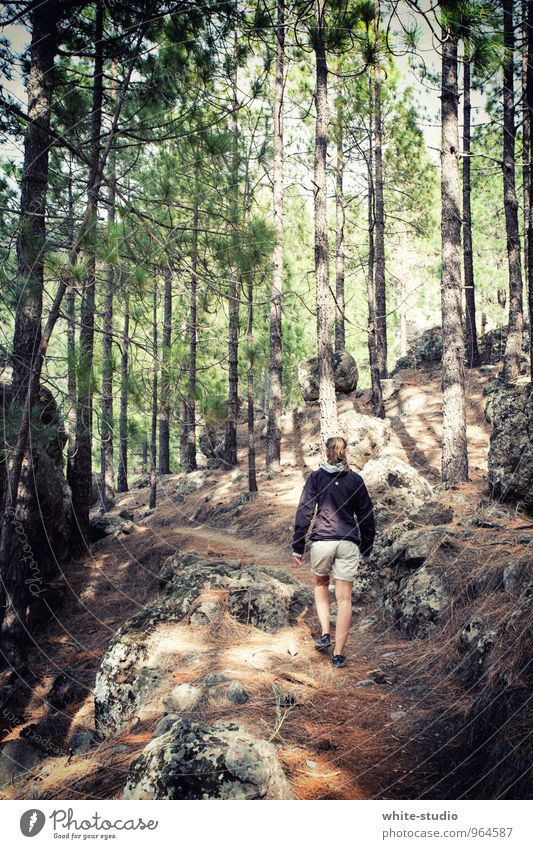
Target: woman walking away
{"type": "Point", "coordinates": [343, 532]}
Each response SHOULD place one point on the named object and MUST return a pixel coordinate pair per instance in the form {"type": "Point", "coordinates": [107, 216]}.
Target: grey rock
{"type": "Point", "coordinates": [190, 482]}
{"type": "Point", "coordinates": [219, 761]}
{"type": "Point", "coordinates": [126, 514]}
{"type": "Point", "coordinates": [395, 487]}
{"type": "Point", "coordinates": [237, 694]}
{"type": "Point", "coordinates": [491, 345]}
{"type": "Point", "coordinates": [510, 468]}
{"type": "Point", "coordinates": [108, 525]}
{"type": "Point", "coordinates": [16, 758]}
{"type": "Point", "coordinates": [83, 741]}
{"type": "Point", "coordinates": [183, 697]}
{"type": "Point", "coordinates": [205, 613]}
{"type": "Point", "coordinates": [417, 601]}
{"type": "Point", "coordinates": [432, 513]}
{"type": "Point", "coordinates": [214, 678]}
{"type": "Point", "coordinates": [148, 511]}
{"type": "Point", "coordinates": [365, 682]}
{"type": "Point", "coordinates": [166, 724]}
{"type": "Point", "coordinates": [366, 436]}
{"type": "Point", "coordinates": [345, 370]}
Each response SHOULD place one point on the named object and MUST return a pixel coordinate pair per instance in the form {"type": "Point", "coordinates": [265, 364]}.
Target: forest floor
{"type": "Point", "coordinates": [371, 730]}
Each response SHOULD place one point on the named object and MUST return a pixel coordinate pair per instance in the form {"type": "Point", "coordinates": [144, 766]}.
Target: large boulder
{"type": "Point", "coordinates": [396, 488]}
{"type": "Point", "coordinates": [345, 372]}
{"type": "Point", "coordinates": [492, 344]}
{"type": "Point", "coordinates": [417, 601]}
{"type": "Point", "coordinates": [219, 761]}
{"type": "Point", "coordinates": [366, 436]}
{"type": "Point", "coordinates": [510, 467]}
{"type": "Point", "coordinates": [134, 679]}
{"type": "Point", "coordinates": [16, 758]}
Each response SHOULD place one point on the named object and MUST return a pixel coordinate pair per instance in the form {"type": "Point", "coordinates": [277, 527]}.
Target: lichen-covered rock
{"type": "Point", "coordinates": [189, 482]}
{"type": "Point", "coordinates": [345, 372]}
{"type": "Point", "coordinates": [219, 761]}
{"type": "Point", "coordinates": [131, 677]}
{"type": "Point", "coordinates": [491, 345]}
{"type": "Point", "coordinates": [182, 698]}
{"type": "Point", "coordinates": [366, 436]}
{"type": "Point", "coordinates": [396, 488]}
{"type": "Point", "coordinates": [432, 513]}
{"type": "Point", "coordinates": [417, 601]}
{"type": "Point", "coordinates": [510, 468]}
{"type": "Point", "coordinates": [108, 525]}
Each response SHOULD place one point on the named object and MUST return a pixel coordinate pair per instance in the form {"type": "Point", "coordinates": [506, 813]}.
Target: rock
{"type": "Point", "coordinates": [395, 487]}
{"type": "Point", "coordinates": [366, 436]}
{"type": "Point", "coordinates": [432, 513]}
{"type": "Point", "coordinates": [426, 349]}
{"type": "Point", "coordinates": [491, 345]}
{"type": "Point", "coordinates": [417, 601]}
{"type": "Point", "coordinates": [182, 698]}
{"type": "Point", "coordinates": [107, 525]}
{"type": "Point", "coordinates": [16, 758]}
{"type": "Point", "coordinates": [126, 514]}
{"type": "Point", "coordinates": [66, 689]}
{"type": "Point", "coordinates": [397, 714]}
{"type": "Point", "coordinates": [478, 643]}
{"type": "Point", "coordinates": [191, 481]}
{"type": "Point", "coordinates": [379, 677]}
{"type": "Point", "coordinates": [214, 678]}
{"type": "Point", "coordinates": [130, 679]}
{"type": "Point", "coordinates": [389, 387]}
{"type": "Point", "coordinates": [237, 694]}
{"type": "Point", "coordinates": [148, 511]}
{"type": "Point", "coordinates": [205, 613]}
{"type": "Point", "coordinates": [83, 741]}
{"type": "Point", "coordinates": [142, 482]}
{"type": "Point", "coordinates": [345, 373]}
{"type": "Point", "coordinates": [510, 468]}
{"type": "Point", "coordinates": [166, 724]}
{"type": "Point", "coordinates": [219, 761]}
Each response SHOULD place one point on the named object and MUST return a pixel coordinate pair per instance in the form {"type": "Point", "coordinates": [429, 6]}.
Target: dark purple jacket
{"type": "Point", "coordinates": [344, 510]}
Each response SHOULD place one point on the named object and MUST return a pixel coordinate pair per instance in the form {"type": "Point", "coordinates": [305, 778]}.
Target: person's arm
{"type": "Point", "coordinates": [304, 515]}
{"type": "Point", "coordinates": [364, 511]}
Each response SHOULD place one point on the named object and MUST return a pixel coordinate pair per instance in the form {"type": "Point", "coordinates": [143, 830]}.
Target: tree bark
{"type": "Point", "coordinates": [193, 329]}
{"type": "Point", "coordinates": [164, 414]}
{"type": "Point", "coordinates": [70, 311]}
{"type": "Point", "coordinates": [273, 443]}
{"type": "Point", "coordinates": [154, 409]}
{"type": "Point", "coordinates": [526, 141]}
{"type": "Point", "coordinates": [252, 477]}
{"type": "Point", "coordinates": [81, 479]}
{"type": "Point", "coordinates": [340, 324]}
{"type": "Point", "coordinates": [472, 353]}
{"type": "Point", "coordinates": [375, 381]}
{"type": "Point", "coordinates": [122, 482]}
{"type": "Point", "coordinates": [454, 445]}
{"type": "Point", "coordinates": [513, 347]}
{"type": "Point", "coordinates": [32, 224]}
{"type": "Point", "coordinates": [380, 285]}
{"type": "Point", "coordinates": [326, 380]}
{"type": "Point", "coordinates": [529, 98]}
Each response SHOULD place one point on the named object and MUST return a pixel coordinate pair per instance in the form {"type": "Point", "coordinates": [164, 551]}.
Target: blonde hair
{"type": "Point", "coordinates": [336, 450]}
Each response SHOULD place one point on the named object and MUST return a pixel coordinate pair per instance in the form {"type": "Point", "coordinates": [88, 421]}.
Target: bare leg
{"type": "Point", "coordinates": [322, 601]}
{"type": "Point", "coordinates": [343, 593]}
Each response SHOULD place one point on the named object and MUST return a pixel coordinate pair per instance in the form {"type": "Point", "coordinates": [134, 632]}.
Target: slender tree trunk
{"type": "Point", "coordinates": [81, 479]}
{"type": "Point", "coordinates": [526, 141]}
{"type": "Point", "coordinates": [273, 444]}
{"type": "Point", "coordinates": [107, 489]}
{"type": "Point", "coordinates": [375, 381]}
{"type": "Point", "coordinates": [183, 401]}
{"type": "Point", "coordinates": [230, 448]}
{"type": "Point", "coordinates": [122, 483]}
{"type": "Point", "coordinates": [529, 98]}
{"type": "Point", "coordinates": [340, 327]}
{"type": "Point", "coordinates": [32, 225]}
{"type": "Point", "coordinates": [380, 286]}
{"type": "Point", "coordinates": [472, 353]}
{"type": "Point", "coordinates": [193, 329]}
{"type": "Point", "coordinates": [155, 411]}
{"type": "Point", "coordinates": [513, 347]}
{"type": "Point", "coordinates": [70, 310]}
{"type": "Point", "coordinates": [454, 446]}
{"type": "Point", "coordinates": [326, 380]}
{"type": "Point", "coordinates": [252, 478]}
{"type": "Point", "coordinates": [164, 415]}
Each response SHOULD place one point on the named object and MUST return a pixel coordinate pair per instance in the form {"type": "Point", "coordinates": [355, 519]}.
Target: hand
{"type": "Point", "coordinates": [297, 559]}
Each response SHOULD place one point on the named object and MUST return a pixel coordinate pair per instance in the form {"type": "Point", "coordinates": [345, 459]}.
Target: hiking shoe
{"type": "Point", "coordinates": [323, 643]}
{"type": "Point", "coordinates": [338, 660]}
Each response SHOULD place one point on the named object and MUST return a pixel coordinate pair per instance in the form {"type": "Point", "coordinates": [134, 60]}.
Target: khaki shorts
{"type": "Point", "coordinates": [340, 557]}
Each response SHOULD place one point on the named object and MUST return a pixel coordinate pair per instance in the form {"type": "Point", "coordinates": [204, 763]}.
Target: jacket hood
{"type": "Point", "coordinates": [333, 468]}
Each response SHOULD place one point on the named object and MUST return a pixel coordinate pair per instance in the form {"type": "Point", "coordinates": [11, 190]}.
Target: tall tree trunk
{"type": "Point", "coordinates": [340, 325]}
{"type": "Point", "coordinates": [122, 482]}
{"type": "Point", "coordinates": [164, 414]}
{"type": "Point", "coordinates": [472, 353]}
{"type": "Point", "coordinates": [375, 381]}
{"type": "Point", "coordinates": [526, 141]}
{"type": "Point", "coordinates": [193, 328]}
{"type": "Point", "coordinates": [107, 487]}
{"type": "Point", "coordinates": [32, 225]}
{"type": "Point", "coordinates": [252, 477]}
{"type": "Point", "coordinates": [80, 481]}
{"type": "Point", "coordinates": [454, 446]}
{"type": "Point", "coordinates": [70, 311]}
{"type": "Point", "coordinates": [513, 347]}
{"type": "Point", "coordinates": [230, 446]}
{"type": "Point", "coordinates": [273, 444]}
{"type": "Point", "coordinates": [380, 286]}
{"type": "Point", "coordinates": [154, 408]}
{"type": "Point", "coordinates": [326, 380]}
{"type": "Point", "coordinates": [183, 400]}
{"type": "Point", "coordinates": [529, 97]}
